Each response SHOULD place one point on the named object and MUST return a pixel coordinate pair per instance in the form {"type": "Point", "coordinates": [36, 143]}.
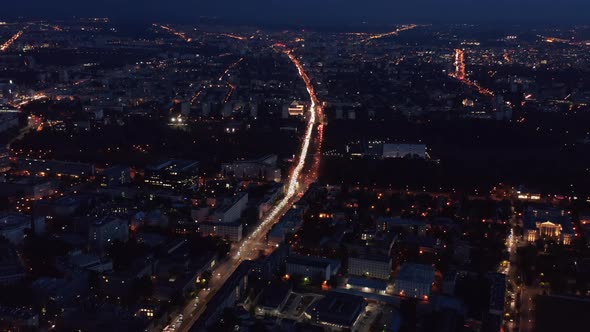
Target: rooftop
{"type": "Point", "coordinates": [337, 308]}
{"type": "Point", "coordinates": [177, 165]}
{"type": "Point", "coordinates": [318, 262]}
{"type": "Point", "coordinates": [274, 294]}
{"type": "Point", "coordinates": [416, 272]}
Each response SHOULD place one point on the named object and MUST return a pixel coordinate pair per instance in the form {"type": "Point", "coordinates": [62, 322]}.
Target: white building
{"type": "Point", "coordinates": [370, 266]}
{"type": "Point", "coordinates": [312, 268]}
{"type": "Point", "coordinates": [231, 211]}
{"type": "Point", "coordinates": [290, 223]}
{"type": "Point", "coordinates": [264, 168]}
{"type": "Point", "coordinates": [105, 232]}
{"type": "Point", "coordinates": [414, 280]}
{"type": "Point", "coordinates": [404, 151]}
{"type": "Point", "coordinates": [231, 231]}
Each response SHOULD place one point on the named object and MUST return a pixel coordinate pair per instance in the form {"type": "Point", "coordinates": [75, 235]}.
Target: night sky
{"type": "Point", "coordinates": [312, 11]}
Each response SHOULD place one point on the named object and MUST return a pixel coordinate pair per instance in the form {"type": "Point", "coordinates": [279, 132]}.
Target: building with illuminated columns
{"type": "Point", "coordinates": [548, 223]}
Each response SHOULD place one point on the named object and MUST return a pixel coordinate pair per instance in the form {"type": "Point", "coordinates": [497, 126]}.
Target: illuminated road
{"type": "Point", "coordinates": [508, 268]}
{"type": "Point", "coordinates": [293, 186]}
{"type": "Point", "coordinates": [230, 35]}
{"type": "Point", "coordinates": [178, 34]}
{"type": "Point", "coordinates": [232, 66]}
{"type": "Point", "coordinates": [232, 88]}
{"type": "Point", "coordinates": [527, 307]}
{"type": "Point", "coordinates": [24, 101]}
{"type": "Point", "coordinates": [565, 41]}
{"type": "Point", "coordinates": [461, 75]}
{"type": "Point", "coordinates": [297, 184]}
{"type": "Point", "coordinates": [11, 41]}
{"type": "Point", "coordinates": [389, 34]}
{"type": "Point", "coordinates": [199, 92]}
{"type": "Point", "coordinates": [460, 64]}
{"type": "Point", "coordinates": [506, 57]}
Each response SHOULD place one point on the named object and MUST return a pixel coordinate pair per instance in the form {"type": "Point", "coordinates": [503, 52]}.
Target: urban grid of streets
{"type": "Point", "coordinates": [251, 246]}
{"type": "Point", "coordinates": [304, 173]}
{"type": "Point", "coordinates": [4, 47]}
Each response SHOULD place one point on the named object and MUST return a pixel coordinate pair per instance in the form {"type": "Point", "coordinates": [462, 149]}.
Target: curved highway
{"type": "Point", "coordinates": [298, 182]}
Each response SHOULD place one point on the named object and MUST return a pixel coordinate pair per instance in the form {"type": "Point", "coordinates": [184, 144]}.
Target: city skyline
{"type": "Point", "coordinates": [275, 170]}
{"type": "Point", "coordinates": [306, 12]}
